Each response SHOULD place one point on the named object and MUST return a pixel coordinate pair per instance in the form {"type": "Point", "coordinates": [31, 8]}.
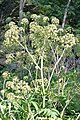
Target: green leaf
{"type": "Point", "coordinates": [35, 105]}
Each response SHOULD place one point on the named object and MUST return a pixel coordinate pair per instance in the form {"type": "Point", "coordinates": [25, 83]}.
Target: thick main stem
{"type": "Point", "coordinates": [42, 81]}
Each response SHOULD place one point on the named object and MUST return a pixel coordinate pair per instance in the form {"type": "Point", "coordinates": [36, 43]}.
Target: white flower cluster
{"type": "Point", "coordinates": [24, 21]}
{"type": "Point", "coordinates": [68, 40]}
{"type": "Point", "coordinates": [55, 21]}
{"type": "Point", "coordinates": [5, 75]}
{"type": "Point", "coordinates": [19, 87]}
{"type": "Point", "coordinates": [11, 36]}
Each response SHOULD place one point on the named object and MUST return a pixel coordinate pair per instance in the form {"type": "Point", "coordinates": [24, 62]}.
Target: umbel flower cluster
{"type": "Point", "coordinates": [43, 33]}
{"type": "Point", "coordinates": [49, 34]}
{"type": "Point", "coordinates": [11, 35]}
{"type": "Point", "coordinates": [15, 89]}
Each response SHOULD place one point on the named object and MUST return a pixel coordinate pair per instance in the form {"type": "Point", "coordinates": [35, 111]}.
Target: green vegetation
{"type": "Point", "coordinates": [40, 75]}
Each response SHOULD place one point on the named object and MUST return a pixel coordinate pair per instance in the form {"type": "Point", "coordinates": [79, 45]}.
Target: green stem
{"type": "Point", "coordinates": [42, 81]}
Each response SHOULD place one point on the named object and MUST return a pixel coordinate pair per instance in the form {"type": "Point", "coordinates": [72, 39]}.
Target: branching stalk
{"type": "Point", "coordinates": [78, 117]}
{"type": "Point", "coordinates": [29, 54]}
{"type": "Point", "coordinates": [55, 68]}
{"type": "Point", "coordinates": [67, 103]}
